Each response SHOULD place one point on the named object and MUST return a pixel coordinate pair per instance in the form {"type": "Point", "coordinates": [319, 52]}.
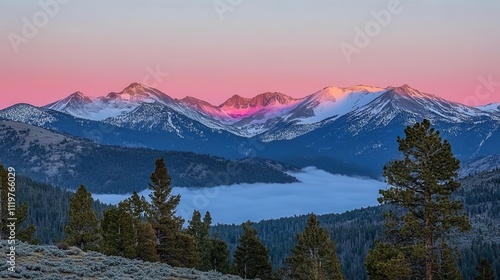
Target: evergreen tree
{"type": "Point", "coordinates": [82, 229]}
{"type": "Point", "coordinates": [315, 255]}
{"type": "Point", "coordinates": [21, 212]}
{"type": "Point", "coordinates": [420, 186]}
{"type": "Point", "coordinates": [200, 232]}
{"type": "Point", "coordinates": [144, 235]}
{"type": "Point", "coordinates": [118, 234]}
{"type": "Point", "coordinates": [484, 270]}
{"type": "Point", "coordinates": [251, 256]}
{"type": "Point", "coordinates": [136, 205]}
{"type": "Point", "coordinates": [28, 235]}
{"type": "Point", "coordinates": [146, 242]}
{"type": "Point", "coordinates": [173, 246]}
{"type": "Point", "coordinates": [387, 262]}
{"type": "Point", "coordinates": [219, 256]}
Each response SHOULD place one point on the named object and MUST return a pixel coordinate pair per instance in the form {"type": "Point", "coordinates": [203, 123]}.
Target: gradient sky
{"type": "Point", "coordinates": [290, 46]}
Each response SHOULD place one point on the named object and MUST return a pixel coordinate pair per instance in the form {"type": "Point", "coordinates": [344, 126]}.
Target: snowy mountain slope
{"type": "Point", "coordinates": [412, 105]}
{"type": "Point", "coordinates": [485, 163]}
{"type": "Point", "coordinates": [157, 117]}
{"type": "Point", "coordinates": [492, 108]}
{"type": "Point", "coordinates": [26, 113]}
{"type": "Point", "coordinates": [333, 102]}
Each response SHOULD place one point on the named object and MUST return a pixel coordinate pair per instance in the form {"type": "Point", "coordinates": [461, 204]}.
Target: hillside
{"type": "Point", "coordinates": [67, 161]}
{"type": "Point", "coordinates": [49, 262]}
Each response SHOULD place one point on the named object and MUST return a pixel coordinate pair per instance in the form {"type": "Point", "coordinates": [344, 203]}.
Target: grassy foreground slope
{"type": "Point", "coordinates": [49, 262]}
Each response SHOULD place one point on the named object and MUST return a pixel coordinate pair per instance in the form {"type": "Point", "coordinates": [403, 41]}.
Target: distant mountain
{"type": "Point", "coordinates": [492, 107]}
{"type": "Point", "coordinates": [348, 130]}
{"type": "Point", "coordinates": [481, 164]}
{"type": "Point", "coordinates": [68, 162]}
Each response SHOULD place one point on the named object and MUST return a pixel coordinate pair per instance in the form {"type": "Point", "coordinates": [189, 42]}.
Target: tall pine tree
{"type": "Point", "coordinates": [83, 227]}
{"type": "Point", "coordinates": [423, 213]}
{"type": "Point", "coordinates": [173, 246]}
{"type": "Point", "coordinates": [251, 256]}
{"type": "Point", "coordinates": [314, 257]}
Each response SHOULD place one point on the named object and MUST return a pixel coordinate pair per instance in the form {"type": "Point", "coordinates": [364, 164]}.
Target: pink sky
{"type": "Point", "coordinates": [448, 48]}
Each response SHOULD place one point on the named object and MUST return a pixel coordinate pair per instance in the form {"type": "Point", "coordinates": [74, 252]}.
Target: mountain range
{"type": "Point", "coordinates": [349, 130]}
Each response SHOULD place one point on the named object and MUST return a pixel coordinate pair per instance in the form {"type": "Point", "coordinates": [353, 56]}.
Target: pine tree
{"type": "Point", "coordinates": [219, 256]}
{"type": "Point", "coordinates": [484, 270]}
{"type": "Point", "coordinates": [200, 232]}
{"type": "Point", "coordinates": [314, 257]}
{"type": "Point", "coordinates": [173, 246]}
{"type": "Point", "coordinates": [387, 262]}
{"type": "Point", "coordinates": [422, 214]}
{"type": "Point", "coordinates": [118, 234]}
{"type": "Point", "coordinates": [145, 237]}
{"type": "Point", "coordinates": [83, 227]}
{"type": "Point", "coordinates": [251, 256]}
{"type": "Point", "coordinates": [136, 205]}
{"type": "Point", "coordinates": [146, 242]}
{"type": "Point", "coordinates": [28, 235]}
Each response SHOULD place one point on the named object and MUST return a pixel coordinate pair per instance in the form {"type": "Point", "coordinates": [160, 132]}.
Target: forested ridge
{"type": "Point", "coordinates": [67, 161]}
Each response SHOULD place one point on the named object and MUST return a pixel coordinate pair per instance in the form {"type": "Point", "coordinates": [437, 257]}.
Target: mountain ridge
{"type": "Point", "coordinates": [352, 126]}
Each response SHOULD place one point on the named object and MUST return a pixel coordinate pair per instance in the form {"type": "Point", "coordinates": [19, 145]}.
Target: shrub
{"type": "Point", "coordinates": [63, 246]}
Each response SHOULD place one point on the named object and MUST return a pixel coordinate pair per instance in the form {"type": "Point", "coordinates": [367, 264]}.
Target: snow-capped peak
{"type": "Point", "coordinates": [72, 101]}
{"type": "Point", "coordinates": [409, 91]}
{"type": "Point", "coordinates": [78, 94]}
{"type": "Point", "coordinates": [139, 92]}
{"type": "Point", "coordinates": [235, 101]}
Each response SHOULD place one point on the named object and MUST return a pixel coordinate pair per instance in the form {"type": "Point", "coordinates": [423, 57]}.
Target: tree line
{"type": "Point", "coordinates": [151, 231]}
